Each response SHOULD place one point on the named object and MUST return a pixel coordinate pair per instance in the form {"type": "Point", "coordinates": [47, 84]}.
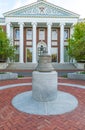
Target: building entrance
{"type": "Point", "coordinates": [41, 48]}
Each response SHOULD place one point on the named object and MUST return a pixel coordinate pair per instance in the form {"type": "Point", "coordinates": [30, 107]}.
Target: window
{"type": "Point", "coordinates": [41, 34]}
{"type": "Point", "coordinates": [17, 34]}
{"type": "Point", "coordinates": [66, 56]}
{"type": "Point", "coordinates": [29, 54]}
{"type": "Point", "coordinates": [66, 34]}
{"type": "Point", "coordinates": [29, 34]}
{"type": "Point", "coordinates": [17, 54]}
{"type": "Point", "coordinates": [54, 54]}
{"type": "Point", "coordinates": [54, 34]}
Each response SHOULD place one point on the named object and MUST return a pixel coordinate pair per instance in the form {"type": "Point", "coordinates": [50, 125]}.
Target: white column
{"type": "Point", "coordinates": [34, 60]}
{"type": "Point", "coordinates": [49, 38]}
{"type": "Point", "coordinates": [11, 35]}
{"type": "Point", "coordinates": [71, 30]}
{"type": "Point", "coordinates": [62, 42]}
{"type": "Point", "coordinates": [21, 55]}
{"type": "Point", "coordinates": [8, 29]}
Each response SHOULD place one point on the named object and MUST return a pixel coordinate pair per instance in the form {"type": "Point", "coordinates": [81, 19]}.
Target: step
{"type": "Point", "coordinates": [32, 66]}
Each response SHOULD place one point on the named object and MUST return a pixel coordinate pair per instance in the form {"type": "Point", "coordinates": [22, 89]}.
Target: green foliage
{"type": "Point", "coordinates": [83, 72]}
{"type": "Point", "coordinates": [6, 49]}
{"type": "Point", "coordinates": [77, 42]}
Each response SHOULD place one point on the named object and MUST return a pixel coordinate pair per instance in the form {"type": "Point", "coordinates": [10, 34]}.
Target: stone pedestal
{"type": "Point", "coordinates": [44, 64]}
{"type": "Point", "coordinates": [44, 99]}
{"type": "Point", "coordinates": [44, 86]}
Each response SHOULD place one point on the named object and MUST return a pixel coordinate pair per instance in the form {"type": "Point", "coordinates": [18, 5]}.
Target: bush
{"type": "Point", "coordinates": [77, 42]}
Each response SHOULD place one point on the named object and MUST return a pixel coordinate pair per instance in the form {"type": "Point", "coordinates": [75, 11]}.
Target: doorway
{"type": "Point", "coordinates": [41, 48]}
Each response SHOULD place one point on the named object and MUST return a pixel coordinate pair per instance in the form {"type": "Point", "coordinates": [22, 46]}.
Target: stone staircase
{"type": "Point", "coordinates": [32, 66]}
{"type": "Point", "coordinates": [21, 66]}
{"type": "Point", "coordinates": [64, 66]}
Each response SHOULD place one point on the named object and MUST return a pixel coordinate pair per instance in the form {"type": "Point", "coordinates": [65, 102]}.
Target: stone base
{"type": "Point", "coordinates": [44, 86]}
{"type": "Point", "coordinates": [76, 76]}
{"type": "Point", "coordinates": [64, 102]}
{"type": "Point", "coordinates": [3, 65]}
{"type": "Point", "coordinates": [80, 65]}
{"type": "Point", "coordinates": [8, 75]}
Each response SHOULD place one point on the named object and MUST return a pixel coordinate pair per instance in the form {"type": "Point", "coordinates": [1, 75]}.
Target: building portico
{"type": "Point", "coordinates": [48, 41]}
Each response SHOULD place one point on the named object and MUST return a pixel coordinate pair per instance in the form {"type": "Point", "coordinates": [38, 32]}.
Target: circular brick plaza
{"type": "Point", "coordinates": [12, 119]}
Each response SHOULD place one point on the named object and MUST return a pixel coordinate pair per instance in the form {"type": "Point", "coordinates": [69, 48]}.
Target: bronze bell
{"type": "Point", "coordinates": [44, 64]}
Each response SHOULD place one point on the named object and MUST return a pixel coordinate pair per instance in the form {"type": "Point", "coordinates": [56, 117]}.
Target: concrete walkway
{"type": "Point", "coordinates": [12, 119]}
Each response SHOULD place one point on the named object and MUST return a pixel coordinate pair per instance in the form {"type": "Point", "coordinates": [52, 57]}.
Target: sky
{"type": "Point", "coordinates": [76, 6]}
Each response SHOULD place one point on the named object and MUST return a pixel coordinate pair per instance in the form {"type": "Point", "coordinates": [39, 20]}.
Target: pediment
{"type": "Point", "coordinates": [40, 9]}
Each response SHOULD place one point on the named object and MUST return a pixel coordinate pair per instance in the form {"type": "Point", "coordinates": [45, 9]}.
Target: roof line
{"type": "Point", "coordinates": [17, 9]}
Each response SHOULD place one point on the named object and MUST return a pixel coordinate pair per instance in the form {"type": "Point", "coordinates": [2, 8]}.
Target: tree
{"type": "Point", "coordinates": [6, 49]}
{"type": "Point", "coordinates": [77, 42]}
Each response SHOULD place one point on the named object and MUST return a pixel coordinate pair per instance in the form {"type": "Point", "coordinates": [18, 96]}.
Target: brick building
{"type": "Point", "coordinates": [37, 27]}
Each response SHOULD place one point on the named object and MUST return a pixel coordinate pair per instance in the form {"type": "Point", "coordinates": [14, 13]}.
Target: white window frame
{"type": "Point", "coordinates": [54, 34]}
{"type": "Point", "coordinates": [30, 49]}
{"type": "Point", "coordinates": [66, 34]}
{"type": "Point", "coordinates": [41, 34]}
{"type": "Point", "coordinates": [29, 34]}
{"type": "Point", "coordinates": [16, 35]}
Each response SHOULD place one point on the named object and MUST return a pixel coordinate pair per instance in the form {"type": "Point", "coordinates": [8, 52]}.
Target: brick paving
{"type": "Point", "coordinates": [12, 119]}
